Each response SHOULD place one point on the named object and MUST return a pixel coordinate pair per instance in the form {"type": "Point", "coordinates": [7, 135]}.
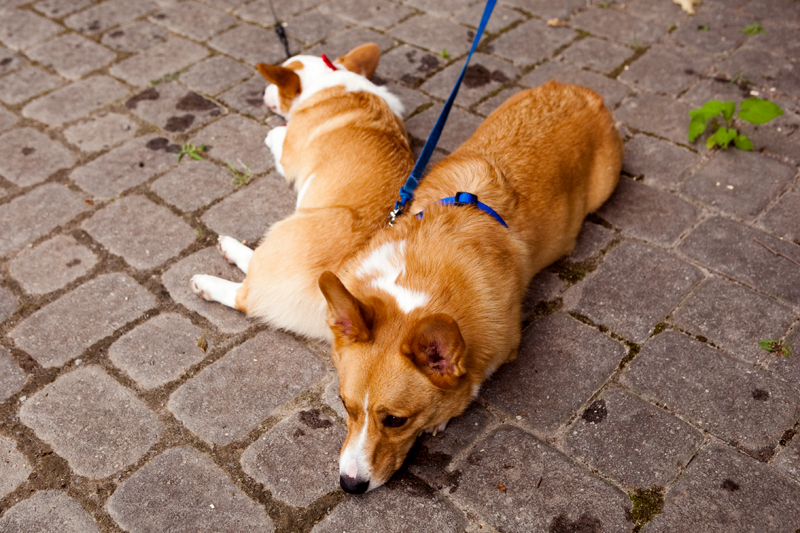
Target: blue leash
{"type": "Point", "coordinates": [407, 190]}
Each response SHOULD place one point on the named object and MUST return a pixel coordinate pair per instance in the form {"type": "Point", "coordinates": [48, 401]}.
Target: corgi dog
{"type": "Point", "coordinates": [346, 152]}
{"type": "Point", "coordinates": [431, 307]}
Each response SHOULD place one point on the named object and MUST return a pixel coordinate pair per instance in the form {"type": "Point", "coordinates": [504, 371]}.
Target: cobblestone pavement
{"type": "Point", "coordinates": [640, 374]}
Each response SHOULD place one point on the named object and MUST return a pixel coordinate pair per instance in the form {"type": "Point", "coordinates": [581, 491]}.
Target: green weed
{"type": "Point", "coordinates": [753, 110]}
{"type": "Point", "coordinates": [773, 346]}
{"type": "Point", "coordinates": [192, 151]}
{"type": "Point", "coordinates": [240, 178]}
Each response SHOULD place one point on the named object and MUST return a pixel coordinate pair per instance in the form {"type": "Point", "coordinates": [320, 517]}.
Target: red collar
{"type": "Point", "coordinates": [328, 62]}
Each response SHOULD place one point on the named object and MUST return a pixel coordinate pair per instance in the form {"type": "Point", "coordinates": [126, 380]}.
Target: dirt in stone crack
{"type": "Point", "coordinates": [596, 412]}
{"type": "Point", "coordinates": [312, 419]}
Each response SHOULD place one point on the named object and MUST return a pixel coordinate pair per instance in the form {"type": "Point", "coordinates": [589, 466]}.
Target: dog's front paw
{"type": "Point", "coordinates": [225, 246]}
{"type": "Point", "coordinates": [201, 286]}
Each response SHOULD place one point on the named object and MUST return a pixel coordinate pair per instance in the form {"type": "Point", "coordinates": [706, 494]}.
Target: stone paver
{"type": "Point", "coordinates": [158, 351]}
{"type": "Point", "coordinates": [50, 511]}
{"type": "Point", "coordinates": [80, 318]}
{"type": "Point", "coordinates": [143, 233]}
{"type": "Point", "coordinates": [632, 440]}
{"type": "Point", "coordinates": [228, 399]}
{"type": "Point", "coordinates": [112, 429]}
{"type": "Point", "coordinates": [575, 359]}
{"type": "Point", "coordinates": [28, 217]}
{"type": "Point", "coordinates": [28, 157]}
{"type": "Point", "coordinates": [737, 403]}
{"type": "Point", "coordinates": [298, 459]}
{"type": "Point", "coordinates": [182, 490]}
{"type": "Point", "coordinates": [51, 265]}
{"type": "Point", "coordinates": [634, 289]}
{"type": "Point", "coordinates": [639, 363]}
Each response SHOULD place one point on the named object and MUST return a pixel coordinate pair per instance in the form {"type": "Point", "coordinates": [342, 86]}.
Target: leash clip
{"type": "Point", "coordinates": [393, 214]}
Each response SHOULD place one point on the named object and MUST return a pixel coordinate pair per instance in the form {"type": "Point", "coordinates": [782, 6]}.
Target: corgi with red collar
{"type": "Point", "coordinates": [431, 307]}
{"type": "Point", "coordinates": [345, 150]}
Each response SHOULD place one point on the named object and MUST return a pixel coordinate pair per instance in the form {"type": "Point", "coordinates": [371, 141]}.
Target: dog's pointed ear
{"type": "Point", "coordinates": [349, 319]}
{"type": "Point", "coordinates": [286, 79]}
{"type": "Point", "coordinates": [362, 59]}
{"type": "Point", "coordinates": [436, 348]}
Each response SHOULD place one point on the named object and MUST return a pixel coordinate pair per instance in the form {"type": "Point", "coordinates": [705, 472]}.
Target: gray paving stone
{"type": "Point", "coordinates": [788, 460]}
{"type": "Point", "coordinates": [409, 65]}
{"type": "Point", "coordinates": [14, 466]}
{"type": "Point", "coordinates": [194, 184]}
{"type": "Point", "coordinates": [611, 91]}
{"type": "Point", "coordinates": [20, 29]}
{"type": "Point", "coordinates": [313, 26]}
{"type": "Point", "coordinates": [216, 74]}
{"type": "Point", "coordinates": [501, 17]}
{"type": "Point", "coordinates": [101, 132]}
{"type": "Point", "coordinates": [108, 14]}
{"type": "Point", "coordinates": [247, 97]}
{"type": "Point", "coordinates": [536, 478]}
{"type": "Point", "coordinates": [51, 265]}
{"type": "Point", "coordinates": [531, 42]}
{"type": "Point", "coordinates": [10, 61]}
{"type": "Point", "coordinates": [260, 11]}
{"type": "Point", "coordinates": [597, 54]}
{"type": "Point", "coordinates": [7, 119]}
{"type": "Point", "coordinates": [231, 397]}
{"type": "Point", "coordinates": [440, 9]}
{"type": "Point", "coordinates": [772, 10]}
{"type": "Point", "coordinates": [65, 328]}
{"type": "Point", "coordinates": [141, 232]}
{"type": "Point", "coordinates": [722, 34]}
{"type": "Point", "coordinates": [657, 11]}
{"type": "Point", "coordinates": [777, 36]}
{"type": "Point", "coordinates": [344, 41]}
{"type": "Point", "coordinates": [124, 167]}
{"type": "Point", "coordinates": [391, 508]}
{"type": "Point", "coordinates": [435, 34]}
{"type": "Point", "coordinates": [484, 75]}
{"type": "Point", "coordinates": [591, 239]}
{"type": "Point", "coordinates": [12, 379]}
{"type": "Point", "coordinates": [75, 100]}
{"type": "Point", "coordinates": [158, 351]}
{"type": "Point", "coordinates": [430, 456]}
{"type": "Point", "coordinates": [739, 403]}
{"type": "Point", "coordinates": [544, 287]}
{"type": "Point", "coordinates": [182, 490]}
{"type": "Point", "coordinates": [134, 37]}
{"type": "Point", "coordinates": [72, 56]}
{"type": "Point", "coordinates": [788, 367]}
{"type": "Point", "coordinates": [561, 363]}
{"type": "Point", "coordinates": [646, 213]}
{"type": "Point", "coordinates": [297, 461]}
{"type": "Point", "coordinates": [733, 317]}
{"type": "Point", "coordinates": [159, 60]}
{"type": "Point", "coordinates": [731, 248]}
{"type": "Point", "coordinates": [238, 140]}
{"type": "Point", "coordinates": [659, 162]}
{"type": "Point", "coordinates": [50, 511]}
{"type": "Point", "coordinates": [251, 44]}
{"type": "Point", "coordinates": [331, 397]}
{"type": "Point", "coordinates": [28, 157]}
{"type": "Point", "coordinates": [547, 9]}
{"type": "Point", "coordinates": [460, 126]}
{"type": "Point", "coordinates": [8, 303]}
{"type": "Point", "coordinates": [727, 491]}
{"type": "Point", "coordinates": [634, 288]}
{"type": "Point", "coordinates": [375, 14]}
{"type": "Point", "coordinates": [656, 114]}
{"type": "Point", "coordinates": [667, 69]}
{"type": "Point", "coordinates": [783, 218]}
{"type": "Point", "coordinates": [193, 20]}
{"type": "Point", "coordinates": [110, 430]}
{"type": "Point", "coordinates": [633, 441]}
{"type": "Point", "coordinates": [173, 108]}
{"type": "Point", "coordinates": [208, 261]}
{"type": "Point", "coordinates": [619, 26]}
{"type": "Point", "coordinates": [411, 99]}
{"type": "Point", "coordinates": [36, 213]}
{"type": "Point", "coordinates": [26, 83]}
{"type": "Point", "coordinates": [739, 183]}
{"type": "Point", "coordinates": [60, 8]}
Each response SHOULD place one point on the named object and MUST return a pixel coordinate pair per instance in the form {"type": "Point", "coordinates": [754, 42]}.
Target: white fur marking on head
{"type": "Point", "coordinates": [387, 263]}
{"type": "Point", "coordinates": [353, 462]}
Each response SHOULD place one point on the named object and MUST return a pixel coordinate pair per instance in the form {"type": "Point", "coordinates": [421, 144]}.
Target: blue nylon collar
{"type": "Point", "coordinates": [407, 190]}
{"type": "Point", "coordinates": [466, 198]}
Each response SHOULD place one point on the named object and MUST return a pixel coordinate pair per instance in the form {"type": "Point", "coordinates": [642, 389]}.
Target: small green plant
{"type": "Point", "coordinates": [168, 77]}
{"type": "Point", "coordinates": [753, 29]}
{"type": "Point", "coordinates": [191, 150]}
{"type": "Point", "coordinates": [240, 178]}
{"type": "Point", "coordinates": [445, 54]}
{"type": "Point", "coordinates": [773, 346]}
{"type": "Point", "coordinates": [704, 27]}
{"type": "Point", "coordinates": [200, 234]}
{"type": "Point", "coordinates": [647, 503]}
{"type": "Point", "coordinates": [635, 44]}
{"type": "Point", "coordinates": [753, 110]}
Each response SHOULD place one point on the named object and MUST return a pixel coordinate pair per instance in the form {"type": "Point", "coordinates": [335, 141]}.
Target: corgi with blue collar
{"type": "Point", "coordinates": [346, 152]}
{"type": "Point", "coordinates": [431, 307]}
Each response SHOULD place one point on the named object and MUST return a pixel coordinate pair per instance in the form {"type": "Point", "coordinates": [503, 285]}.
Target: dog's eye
{"type": "Point", "coordinates": [394, 421]}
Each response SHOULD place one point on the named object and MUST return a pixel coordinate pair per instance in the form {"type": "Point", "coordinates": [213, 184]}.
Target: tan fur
{"type": "Point", "coordinates": [544, 160]}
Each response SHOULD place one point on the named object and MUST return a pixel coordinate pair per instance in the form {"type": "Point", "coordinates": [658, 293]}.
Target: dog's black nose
{"type": "Point", "coordinates": [352, 485]}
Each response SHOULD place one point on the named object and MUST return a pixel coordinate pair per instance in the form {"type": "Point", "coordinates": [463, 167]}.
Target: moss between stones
{"type": "Point", "coordinates": [647, 503]}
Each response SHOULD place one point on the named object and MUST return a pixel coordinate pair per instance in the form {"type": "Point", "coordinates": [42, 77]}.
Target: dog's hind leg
{"type": "Point", "coordinates": [220, 290]}
{"type": "Point", "coordinates": [235, 252]}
